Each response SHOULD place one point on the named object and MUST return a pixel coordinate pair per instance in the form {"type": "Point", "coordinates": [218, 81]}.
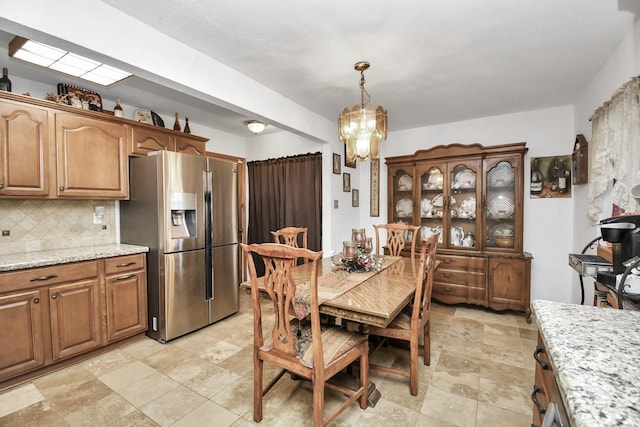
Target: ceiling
{"type": "Point", "coordinates": [432, 61]}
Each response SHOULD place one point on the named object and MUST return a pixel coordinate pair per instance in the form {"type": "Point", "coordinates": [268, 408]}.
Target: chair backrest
{"type": "Point", "coordinates": [290, 236]}
{"type": "Point", "coordinates": [396, 238]}
{"type": "Point", "coordinates": [424, 285]}
{"type": "Point", "coordinates": [279, 284]}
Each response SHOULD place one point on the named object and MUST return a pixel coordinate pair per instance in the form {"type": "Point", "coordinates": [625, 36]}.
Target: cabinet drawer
{"type": "Point", "coordinates": [45, 276]}
{"type": "Point", "coordinates": [458, 293]}
{"type": "Point", "coordinates": [121, 264]}
{"type": "Point", "coordinates": [457, 277]}
{"type": "Point", "coordinates": [454, 262]}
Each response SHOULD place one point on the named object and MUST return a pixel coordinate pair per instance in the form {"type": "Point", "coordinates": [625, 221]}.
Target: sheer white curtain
{"type": "Point", "coordinates": [616, 151]}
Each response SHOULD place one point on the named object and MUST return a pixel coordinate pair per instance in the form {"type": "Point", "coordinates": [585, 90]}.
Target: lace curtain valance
{"type": "Point", "coordinates": [616, 151]}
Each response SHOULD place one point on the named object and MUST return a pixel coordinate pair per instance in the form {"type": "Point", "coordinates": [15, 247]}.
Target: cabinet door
{"type": "Point", "coordinates": [145, 140]}
{"type": "Point", "coordinates": [503, 213]}
{"type": "Point", "coordinates": [509, 283]}
{"type": "Point", "coordinates": [91, 158]}
{"type": "Point", "coordinates": [401, 205]}
{"type": "Point", "coordinates": [126, 305]}
{"type": "Point", "coordinates": [24, 153]}
{"type": "Point", "coordinates": [190, 146]}
{"type": "Point", "coordinates": [430, 178]}
{"type": "Point", "coordinates": [21, 333]}
{"type": "Point", "coordinates": [75, 317]}
{"type": "Point", "coordinates": [463, 204]}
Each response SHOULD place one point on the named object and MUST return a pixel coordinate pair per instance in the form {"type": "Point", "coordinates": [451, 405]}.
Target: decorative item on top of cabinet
{"type": "Point", "coordinates": [472, 196]}
{"type": "Point", "coordinates": [187, 129]}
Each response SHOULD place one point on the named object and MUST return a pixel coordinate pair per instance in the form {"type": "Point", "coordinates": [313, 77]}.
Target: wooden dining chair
{"type": "Point", "coordinates": [413, 320]}
{"type": "Point", "coordinates": [396, 238]}
{"type": "Point", "coordinates": [292, 236]}
{"type": "Point", "coordinates": [302, 348]}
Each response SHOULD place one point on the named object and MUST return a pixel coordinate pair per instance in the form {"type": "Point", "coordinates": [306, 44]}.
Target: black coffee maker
{"type": "Point", "coordinates": [623, 232]}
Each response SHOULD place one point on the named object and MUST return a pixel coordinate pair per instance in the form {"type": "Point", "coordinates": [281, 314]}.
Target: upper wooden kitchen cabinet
{"type": "Point", "coordinates": [146, 138]}
{"type": "Point", "coordinates": [24, 150]}
{"type": "Point", "coordinates": [472, 197]}
{"type": "Point", "coordinates": [91, 158]}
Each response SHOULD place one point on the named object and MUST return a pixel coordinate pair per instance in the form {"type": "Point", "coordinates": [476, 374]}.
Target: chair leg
{"type": "Point", "coordinates": [427, 344]}
{"type": "Point", "coordinates": [318, 402]}
{"type": "Point", "coordinates": [258, 366]}
{"type": "Point", "coordinates": [413, 366]}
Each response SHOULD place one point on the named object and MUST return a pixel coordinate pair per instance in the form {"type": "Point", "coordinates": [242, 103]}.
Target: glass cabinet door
{"type": "Point", "coordinates": [432, 200]}
{"type": "Point", "coordinates": [464, 204]}
{"type": "Point", "coordinates": [402, 199]}
{"type": "Point", "coordinates": [500, 205]}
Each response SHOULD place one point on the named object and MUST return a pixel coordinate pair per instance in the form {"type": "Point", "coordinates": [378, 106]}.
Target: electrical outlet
{"type": "Point", "coordinates": [6, 233]}
{"type": "Point", "coordinates": [335, 204]}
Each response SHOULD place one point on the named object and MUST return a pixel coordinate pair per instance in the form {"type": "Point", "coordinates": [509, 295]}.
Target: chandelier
{"type": "Point", "coordinates": [362, 127]}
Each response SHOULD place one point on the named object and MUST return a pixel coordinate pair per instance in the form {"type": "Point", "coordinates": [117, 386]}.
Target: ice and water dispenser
{"type": "Point", "coordinates": [183, 215]}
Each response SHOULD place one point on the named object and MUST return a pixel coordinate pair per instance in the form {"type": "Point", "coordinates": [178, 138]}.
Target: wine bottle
{"type": "Point", "coordinates": [555, 175]}
{"type": "Point", "coordinates": [562, 178]}
{"type": "Point", "coordinates": [5, 83]}
{"type": "Point", "coordinates": [176, 124]}
{"type": "Point", "coordinates": [186, 125]}
{"type": "Point", "coordinates": [536, 177]}
{"type": "Point", "coordinates": [117, 110]}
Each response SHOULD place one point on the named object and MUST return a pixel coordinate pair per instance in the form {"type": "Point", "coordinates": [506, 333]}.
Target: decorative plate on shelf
{"type": "Point", "coordinates": [501, 175]}
{"type": "Point", "coordinates": [435, 180]}
{"type": "Point", "coordinates": [468, 208]}
{"type": "Point", "coordinates": [143, 115]}
{"type": "Point", "coordinates": [426, 208]}
{"type": "Point", "coordinates": [405, 183]}
{"type": "Point", "coordinates": [501, 207]}
{"type": "Point", "coordinates": [404, 208]}
{"type": "Point", "coordinates": [464, 179]}
{"type": "Point", "coordinates": [438, 201]}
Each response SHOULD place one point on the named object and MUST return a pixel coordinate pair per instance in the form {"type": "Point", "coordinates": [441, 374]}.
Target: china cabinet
{"type": "Point", "coordinates": [472, 197]}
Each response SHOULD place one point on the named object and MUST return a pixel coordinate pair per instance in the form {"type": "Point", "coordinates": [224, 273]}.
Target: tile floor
{"type": "Point", "coordinates": [481, 374]}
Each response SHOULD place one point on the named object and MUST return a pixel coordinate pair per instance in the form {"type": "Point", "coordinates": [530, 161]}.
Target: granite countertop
{"type": "Point", "coordinates": [595, 354]}
{"type": "Point", "coordinates": [61, 256]}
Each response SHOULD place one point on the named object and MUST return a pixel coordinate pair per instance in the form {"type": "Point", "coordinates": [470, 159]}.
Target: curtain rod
{"type": "Point", "coordinates": [616, 93]}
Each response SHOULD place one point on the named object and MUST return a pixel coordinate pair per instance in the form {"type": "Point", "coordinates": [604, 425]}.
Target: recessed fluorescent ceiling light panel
{"type": "Point", "coordinates": [65, 62]}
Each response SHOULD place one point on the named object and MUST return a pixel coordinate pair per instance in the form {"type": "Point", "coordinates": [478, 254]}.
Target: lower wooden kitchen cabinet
{"type": "Point", "coordinates": [52, 314]}
{"type": "Point", "coordinates": [545, 390]}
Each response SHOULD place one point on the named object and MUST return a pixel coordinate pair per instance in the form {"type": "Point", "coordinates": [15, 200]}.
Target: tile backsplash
{"type": "Point", "coordinates": [37, 225]}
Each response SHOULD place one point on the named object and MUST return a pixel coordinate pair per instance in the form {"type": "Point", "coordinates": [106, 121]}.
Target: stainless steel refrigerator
{"type": "Point", "coordinates": [184, 208]}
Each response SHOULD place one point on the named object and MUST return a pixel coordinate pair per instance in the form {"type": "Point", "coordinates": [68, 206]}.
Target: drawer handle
{"type": "Point", "coordinates": [129, 276]}
{"type": "Point", "coordinates": [126, 264]}
{"type": "Point", "coordinates": [541, 408]}
{"type": "Point", "coordinates": [542, 363]}
{"type": "Point", "coordinates": [36, 300]}
{"type": "Point", "coordinates": [61, 188]}
{"type": "Point", "coordinates": [448, 261]}
{"type": "Point", "coordinates": [43, 278]}
{"type": "Point", "coordinates": [449, 290]}
{"type": "Point", "coordinates": [54, 296]}
{"type": "Point", "coordinates": [1, 186]}
{"type": "Point", "coordinates": [447, 275]}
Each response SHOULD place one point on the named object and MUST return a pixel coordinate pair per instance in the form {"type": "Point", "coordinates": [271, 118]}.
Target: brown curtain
{"type": "Point", "coordinates": [285, 192]}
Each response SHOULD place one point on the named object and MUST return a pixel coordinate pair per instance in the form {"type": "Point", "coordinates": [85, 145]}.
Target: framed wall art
{"type": "Point", "coordinates": [79, 97]}
{"type": "Point", "coordinates": [346, 182]}
{"type": "Point", "coordinates": [346, 161]}
{"type": "Point", "coordinates": [336, 163]}
{"type": "Point", "coordinates": [374, 184]}
{"type": "Point", "coordinates": [550, 177]}
{"type": "Point", "coordinates": [355, 198]}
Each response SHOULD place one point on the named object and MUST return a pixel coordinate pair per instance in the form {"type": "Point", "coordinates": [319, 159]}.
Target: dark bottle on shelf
{"type": "Point", "coordinates": [555, 174]}
{"type": "Point", "coordinates": [5, 83]}
{"type": "Point", "coordinates": [186, 125]}
{"type": "Point", "coordinates": [563, 178]}
{"type": "Point", "coordinates": [536, 177]}
{"type": "Point", "coordinates": [176, 124]}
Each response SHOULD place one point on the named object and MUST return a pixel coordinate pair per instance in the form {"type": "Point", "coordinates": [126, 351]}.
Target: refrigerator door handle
{"type": "Point", "coordinates": [208, 230]}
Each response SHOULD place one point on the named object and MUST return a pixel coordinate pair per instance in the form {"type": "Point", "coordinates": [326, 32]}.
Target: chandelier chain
{"type": "Point", "coordinates": [363, 91]}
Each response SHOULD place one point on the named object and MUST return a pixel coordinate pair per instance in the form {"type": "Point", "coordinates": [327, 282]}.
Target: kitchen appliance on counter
{"type": "Point", "coordinates": [184, 208]}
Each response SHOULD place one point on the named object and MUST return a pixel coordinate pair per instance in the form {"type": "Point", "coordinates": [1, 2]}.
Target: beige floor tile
{"type": "Point", "coordinates": [38, 414]}
{"type": "Point", "coordinates": [143, 348]}
{"type": "Point", "coordinates": [449, 407]}
{"type": "Point", "coordinates": [178, 364]}
{"type": "Point", "coordinates": [147, 389]}
{"type": "Point", "coordinates": [62, 381]}
{"type": "Point", "coordinates": [237, 396]}
{"type": "Point", "coordinates": [212, 381]}
{"type": "Point", "coordinates": [108, 362]}
{"type": "Point", "coordinates": [80, 396]}
{"type": "Point", "coordinates": [489, 415]}
{"type": "Point", "coordinates": [207, 414]}
{"type": "Point", "coordinates": [126, 375]}
{"type": "Point", "coordinates": [101, 412]}
{"type": "Point", "coordinates": [18, 398]}
{"type": "Point", "coordinates": [134, 419]}
{"type": "Point", "coordinates": [506, 396]}
{"type": "Point", "coordinates": [173, 405]}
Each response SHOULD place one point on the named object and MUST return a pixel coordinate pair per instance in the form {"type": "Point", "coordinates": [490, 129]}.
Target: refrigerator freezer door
{"type": "Point", "coordinates": [225, 201]}
{"type": "Point", "coordinates": [184, 298]}
{"type": "Point", "coordinates": [225, 282]}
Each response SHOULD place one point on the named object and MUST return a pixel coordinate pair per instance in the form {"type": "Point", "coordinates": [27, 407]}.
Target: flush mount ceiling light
{"type": "Point", "coordinates": [255, 126]}
{"type": "Point", "coordinates": [362, 128]}
{"type": "Point", "coordinates": [65, 62]}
